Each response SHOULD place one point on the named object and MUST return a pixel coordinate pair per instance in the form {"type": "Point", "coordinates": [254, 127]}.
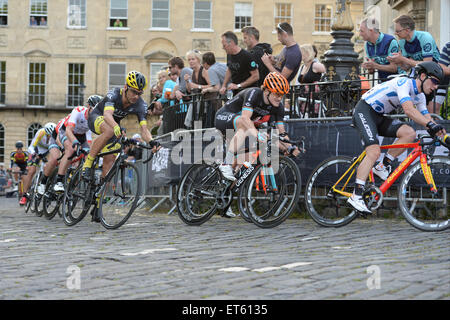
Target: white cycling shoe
{"type": "Point", "coordinates": [58, 187]}
{"type": "Point", "coordinates": [41, 189]}
{"type": "Point", "coordinates": [358, 204]}
{"type": "Point", "coordinates": [227, 172]}
{"type": "Point", "coordinates": [382, 171]}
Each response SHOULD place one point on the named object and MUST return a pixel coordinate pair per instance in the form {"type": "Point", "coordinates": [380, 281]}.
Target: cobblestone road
{"type": "Point", "coordinates": [156, 256]}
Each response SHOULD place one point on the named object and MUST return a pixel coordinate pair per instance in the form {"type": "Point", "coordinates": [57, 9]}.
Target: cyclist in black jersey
{"type": "Point", "coordinates": [247, 110]}
{"type": "Point", "coordinates": [104, 119]}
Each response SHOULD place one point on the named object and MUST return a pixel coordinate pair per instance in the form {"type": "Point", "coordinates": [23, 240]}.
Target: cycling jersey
{"type": "Point", "coordinates": [250, 99]}
{"type": "Point", "coordinates": [422, 45]}
{"type": "Point", "coordinates": [19, 159]}
{"type": "Point", "coordinates": [390, 95]}
{"type": "Point", "coordinates": [113, 101]}
{"type": "Point", "coordinates": [78, 120]}
{"type": "Point", "coordinates": [42, 142]}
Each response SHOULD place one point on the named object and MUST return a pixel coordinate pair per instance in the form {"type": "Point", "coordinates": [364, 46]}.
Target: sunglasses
{"type": "Point", "coordinates": [138, 93]}
{"type": "Point", "coordinates": [398, 31]}
{"type": "Point", "coordinates": [279, 27]}
{"type": "Point", "coordinates": [434, 80]}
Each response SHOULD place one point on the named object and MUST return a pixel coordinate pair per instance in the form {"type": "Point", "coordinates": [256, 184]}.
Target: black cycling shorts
{"type": "Point", "coordinates": [226, 120]}
{"type": "Point", "coordinates": [371, 124]}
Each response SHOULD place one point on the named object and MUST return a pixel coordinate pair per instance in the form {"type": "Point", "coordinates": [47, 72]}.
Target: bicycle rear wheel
{"type": "Point", "coordinates": [197, 194]}
{"type": "Point", "coordinates": [422, 208]}
{"type": "Point", "coordinates": [76, 200]}
{"type": "Point", "coordinates": [271, 195]}
{"type": "Point", "coordinates": [30, 197]}
{"type": "Point", "coordinates": [326, 207]}
{"type": "Point", "coordinates": [119, 196]}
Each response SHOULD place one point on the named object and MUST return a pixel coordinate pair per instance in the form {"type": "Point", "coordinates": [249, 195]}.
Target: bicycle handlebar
{"type": "Point", "coordinates": [443, 141]}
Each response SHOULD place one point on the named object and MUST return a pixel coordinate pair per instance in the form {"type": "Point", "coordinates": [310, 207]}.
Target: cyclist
{"type": "Point", "coordinates": [18, 160]}
{"type": "Point", "coordinates": [249, 109]}
{"type": "Point", "coordinates": [369, 118]}
{"type": "Point", "coordinates": [73, 132]}
{"type": "Point", "coordinates": [104, 119]}
{"type": "Point", "coordinates": [39, 147]}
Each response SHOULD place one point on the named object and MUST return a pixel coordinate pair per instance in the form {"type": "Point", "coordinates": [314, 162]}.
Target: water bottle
{"type": "Point", "coordinates": [229, 94]}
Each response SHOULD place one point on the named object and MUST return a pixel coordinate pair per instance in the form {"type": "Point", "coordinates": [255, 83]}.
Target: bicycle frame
{"type": "Point", "coordinates": [417, 152]}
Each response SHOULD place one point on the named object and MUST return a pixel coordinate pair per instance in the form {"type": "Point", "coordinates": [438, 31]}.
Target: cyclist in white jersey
{"type": "Point", "coordinates": [39, 147]}
{"type": "Point", "coordinates": [369, 119]}
{"type": "Point", "coordinates": [74, 133]}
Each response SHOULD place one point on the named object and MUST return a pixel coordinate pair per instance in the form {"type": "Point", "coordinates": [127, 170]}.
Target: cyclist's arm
{"type": "Point", "coordinates": [108, 116]}
{"type": "Point", "coordinates": [39, 137]}
{"type": "Point", "coordinates": [69, 133]}
{"type": "Point", "coordinates": [145, 133]}
{"type": "Point", "coordinates": [414, 114]}
{"type": "Point", "coordinates": [247, 113]}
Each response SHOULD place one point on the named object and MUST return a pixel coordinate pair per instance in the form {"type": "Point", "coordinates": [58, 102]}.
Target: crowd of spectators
{"type": "Point", "coordinates": [385, 54]}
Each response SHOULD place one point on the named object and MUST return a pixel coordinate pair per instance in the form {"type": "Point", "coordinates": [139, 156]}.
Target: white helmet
{"type": "Point", "coordinates": [49, 127]}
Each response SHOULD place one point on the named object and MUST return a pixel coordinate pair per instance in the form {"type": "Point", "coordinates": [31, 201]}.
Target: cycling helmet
{"type": "Point", "coordinates": [136, 80]}
{"type": "Point", "coordinates": [94, 99]}
{"type": "Point", "coordinates": [430, 68]}
{"type": "Point", "coordinates": [49, 127]}
{"type": "Point", "coordinates": [19, 144]}
{"type": "Point", "coordinates": [276, 83]}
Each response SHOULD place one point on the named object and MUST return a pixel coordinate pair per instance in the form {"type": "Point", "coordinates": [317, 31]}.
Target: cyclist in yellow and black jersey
{"type": "Point", "coordinates": [105, 118]}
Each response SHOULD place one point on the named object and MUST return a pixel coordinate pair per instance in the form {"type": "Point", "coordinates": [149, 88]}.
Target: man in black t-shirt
{"type": "Point", "coordinates": [257, 49]}
{"type": "Point", "coordinates": [242, 69]}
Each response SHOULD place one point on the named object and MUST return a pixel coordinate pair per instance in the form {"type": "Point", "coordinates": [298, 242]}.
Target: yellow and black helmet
{"type": "Point", "coordinates": [136, 80]}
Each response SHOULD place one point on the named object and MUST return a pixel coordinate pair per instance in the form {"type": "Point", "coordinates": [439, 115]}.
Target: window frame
{"type": "Point", "coordinates": [112, 18]}
{"type": "Point", "coordinates": [4, 14]}
{"type": "Point", "coordinates": [321, 19]}
{"type": "Point", "coordinates": [194, 28]}
{"type": "Point", "coordinates": [109, 74]}
{"type": "Point", "coordinates": [2, 84]}
{"type": "Point", "coordinates": [36, 84]}
{"type": "Point", "coordinates": [2, 144]}
{"type": "Point", "coordinates": [39, 14]}
{"type": "Point", "coordinates": [277, 15]}
{"type": "Point", "coordinates": [78, 90]}
{"type": "Point", "coordinates": [251, 16]}
{"type": "Point", "coordinates": [168, 28]}
{"type": "Point", "coordinates": [34, 127]}
{"type": "Point", "coordinates": [81, 26]}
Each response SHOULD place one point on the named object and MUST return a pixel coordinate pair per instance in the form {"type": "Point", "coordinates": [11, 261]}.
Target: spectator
{"type": "Point", "coordinates": [378, 47]}
{"type": "Point", "coordinates": [251, 40]}
{"type": "Point", "coordinates": [3, 180]}
{"type": "Point", "coordinates": [199, 79]}
{"type": "Point", "coordinates": [176, 66]}
{"type": "Point", "coordinates": [288, 61]}
{"type": "Point", "coordinates": [157, 108]}
{"type": "Point", "coordinates": [416, 46]}
{"type": "Point", "coordinates": [33, 21]}
{"type": "Point", "coordinates": [43, 22]}
{"type": "Point", "coordinates": [118, 23]}
{"type": "Point", "coordinates": [216, 72]}
{"type": "Point", "coordinates": [310, 72]}
{"type": "Point", "coordinates": [441, 94]}
{"type": "Point", "coordinates": [242, 69]}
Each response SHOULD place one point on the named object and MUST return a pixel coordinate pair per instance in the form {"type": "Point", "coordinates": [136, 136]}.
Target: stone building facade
{"type": "Point", "coordinates": [54, 54]}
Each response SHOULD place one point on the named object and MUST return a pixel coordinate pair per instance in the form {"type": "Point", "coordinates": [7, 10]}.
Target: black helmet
{"type": "Point", "coordinates": [136, 80]}
{"type": "Point", "coordinates": [430, 68]}
{"type": "Point", "coordinates": [19, 144]}
{"type": "Point", "coordinates": [94, 99]}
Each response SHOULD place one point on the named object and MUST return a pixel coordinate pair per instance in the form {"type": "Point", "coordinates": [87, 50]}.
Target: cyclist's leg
{"type": "Point", "coordinates": [52, 161]}
{"type": "Point", "coordinates": [29, 176]}
{"type": "Point", "coordinates": [98, 125]}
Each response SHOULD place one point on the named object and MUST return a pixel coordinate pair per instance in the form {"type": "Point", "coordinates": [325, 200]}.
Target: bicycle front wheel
{"type": "Point", "coordinates": [422, 208]}
{"type": "Point", "coordinates": [272, 193]}
{"type": "Point", "coordinates": [119, 196]}
{"type": "Point", "coordinates": [197, 194]}
{"type": "Point", "coordinates": [325, 206]}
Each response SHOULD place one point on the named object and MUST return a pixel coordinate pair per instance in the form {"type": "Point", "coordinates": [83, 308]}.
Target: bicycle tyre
{"type": "Point", "coordinates": [284, 186]}
{"type": "Point", "coordinates": [129, 188]}
{"type": "Point", "coordinates": [193, 207]}
{"type": "Point", "coordinates": [241, 202]}
{"type": "Point", "coordinates": [324, 209]}
{"type": "Point", "coordinates": [75, 194]}
{"type": "Point", "coordinates": [51, 198]}
{"type": "Point", "coordinates": [420, 207]}
{"type": "Point", "coordinates": [30, 199]}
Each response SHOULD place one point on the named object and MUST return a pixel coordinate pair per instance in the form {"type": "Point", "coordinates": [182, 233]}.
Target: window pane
{"type": "Point", "coordinates": [36, 86]}
{"type": "Point", "coordinates": [2, 81]}
{"type": "Point", "coordinates": [117, 75]}
{"type": "Point", "coordinates": [76, 13]}
{"type": "Point", "coordinates": [160, 14]}
{"type": "Point", "coordinates": [202, 5]}
{"type": "Point", "coordinates": [4, 7]}
{"type": "Point", "coordinates": [75, 82]}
